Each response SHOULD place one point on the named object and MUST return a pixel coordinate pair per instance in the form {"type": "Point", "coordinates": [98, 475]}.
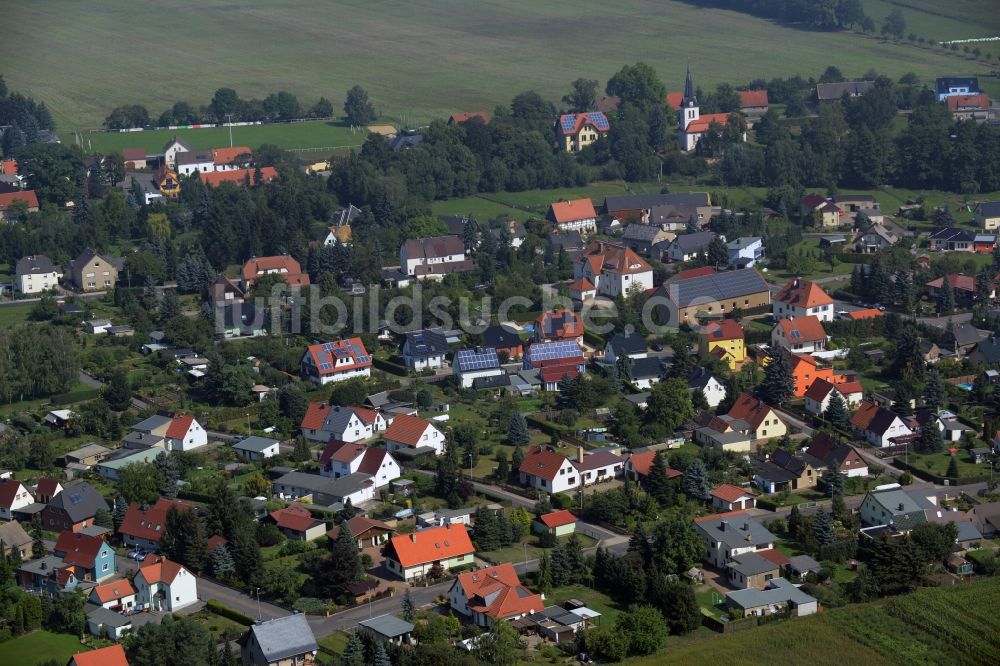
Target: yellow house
{"type": "Point", "coordinates": [166, 181]}
{"type": "Point", "coordinates": [579, 130]}
{"type": "Point", "coordinates": [723, 339]}
{"type": "Point", "coordinates": [988, 215]}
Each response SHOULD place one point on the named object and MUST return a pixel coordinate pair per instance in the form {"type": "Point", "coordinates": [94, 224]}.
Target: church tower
{"type": "Point", "coordinates": [689, 106]}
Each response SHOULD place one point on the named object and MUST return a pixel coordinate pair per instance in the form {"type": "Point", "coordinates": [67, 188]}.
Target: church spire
{"type": "Point", "coordinates": [688, 85]}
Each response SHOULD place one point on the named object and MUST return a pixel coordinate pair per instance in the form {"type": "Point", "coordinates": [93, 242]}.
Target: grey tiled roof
{"type": "Point", "coordinates": [284, 637]}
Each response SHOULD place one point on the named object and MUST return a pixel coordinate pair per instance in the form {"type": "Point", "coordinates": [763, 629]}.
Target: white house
{"type": "Point", "coordinates": [574, 215]}
{"type": "Point", "coordinates": [200, 161]}
{"type": "Point", "coordinates": [878, 424]}
{"type": "Point", "coordinates": [434, 257]}
{"type": "Point", "coordinates": [352, 424]}
{"type": "Point", "coordinates": [118, 595]}
{"type": "Point", "coordinates": [324, 490]}
{"type": "Point", "coordinates": [165, 586]}
{"type": "Point", "coordinates": [745, 249]}
{"type": "Point", "coordinates": [546, 470]}
{"type": "Point", "coordinates": [342, 459]}
{"type": "Point", "coordinates": [713, 390]}
{"type": "Point", "coordinates": [256, 448]}
{"type": "Point", "coordinates": [412, 433]}
{"type": "Point", "coordinates": [802, 335]}
{"type": "Point", "coordinates": [13, 496]}
{"type": "Point", "coordinates": [688, 247]}
{"type": "Point", "coordinates": [36, 274]}
{"type": "Point", "coordinates": [172, 149]}
{"type": "Point", "coordinates": [820, 391]}
{"type": "Point", "coordinates": [412, 556]}
{"type": "Point", "coordinates": [629, 345]}
{"type": "Point", "coordinates": [801, 298]}
{"type": "Point", "coordinates": [613, 269]}
{"type": "Point", "coordinates": [729, 535]}
{"type": "Point", "coordinates": [493, 594]}
{"type": "Point", "coordinates": [425, 350]}
{"type": "Point", "coordinates": [336, 361]}
{"type": "Point", "coordinates": [180, 432]}
{"type": "Point", "coordinates": [471, 364]}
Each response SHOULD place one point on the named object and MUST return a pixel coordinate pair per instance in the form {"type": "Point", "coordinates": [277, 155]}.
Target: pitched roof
{"type": "Point", "coordinates": [79, 549]}
{"type": "Point", "coordinates": [730, 493]}
{"type": "Point", "coordinates": [326, 356]}
{"type": "Point", "coordinates": [750, 409]}
{"type": "Point", "coordinates": [295, 517]}
{"type": "Point", "coordinates": [27, 196]}
{"type": "Point", "coordinates": [557, 518]}
{"type": "Point", "coordinates": [255, 444]}
{"type": "Point", "coordinates": [542, 462]}
{"type": "Point", "coordinates": [943, 83]}
{"type": "Point", "coordinates": [752, 98]}
{"type": "Point", "coordinates": [12, 534]}
{"type": "Point", "coordinates": [9, 489]}
{"type": "Point", "coordinates": [238, 176]}
{"type": "Point", "coordinates": [116, 589]}
{"type": "Point", "coordinates": [674, 99]}
{"type": "Point", "coordinates": [723, 329]}
{"type": "Point", "coordinates": [951, 234]}
{"type": "Point", "coordinates": [834, 91]}
{"type": "Point", "coordinates": [572, 123]}
{"type": "Point", "coordinates": [803, 294]}
{"type": "Point", "coordinates": [705, 121]}
{"type": "Point", "coordinates": [150, 522]}
{"type": "Point", "coordinates": [315, 416]}
{"type": "Point", "coordinates": [284, 637]}
{"type": "Point", "coordinates": [957, 281]}
{"type": "Point", "coordinates": [628, 343]}
{"type": "Point", "coordinates": [35, 265]}
{"type": "Point", "coordinates": [47, 486]}
{"type": "Point", "coordinates": [427, 342]}
{"type": "Point", "coordinates": [693, 242]}
{"type": "Point", "coordinates": [283, 265]}
{"type": "Point", "coordinates": [80, 501]}
{"type": "Point", "coordinates": [407, 429]}
{"type": "Point", "coordinates": [596, 460]}
{"type": "Point", "coordinates": [469, 115]}
{"type": "Point", "coordinates": [497, 592]}
{"type": "Point", "coordinates": [717, 286]}
{"type": "Point", "coordinates": [179, 426]}
{"type": "Point", "coordinates": [161, 571]}
{"type": "Point", "coordinates": [431, 545]}
{"type": "Point", "coordinates": [572, 210]}
{"type": "Point", "coordinates": [559, 324]}
{"type": "Point", "coordinates": [869, 313]}
{"type": "Point", "coordinates": [341, 451]}
{"type": "Point", "coordinates": [359, 526]}
{"type": "Point", "coordinates": [234, 155]}
{"type": "Point", "coordinates": [802, 329]}
{"type": "Point", "coordinates": [613, 258]}
{"type": "Point", "coordinates": [819, 389]}
{"type": "Point", "coordinates": [434, 247]}
{"type": "Point", "coordinates": [734, 528]}
{"type": "Point", "coordinates": [502, 336]}
{"type": "Point", "coordinates": [864, 414]}
{"type": "Point", "coordinates": [113, 655]}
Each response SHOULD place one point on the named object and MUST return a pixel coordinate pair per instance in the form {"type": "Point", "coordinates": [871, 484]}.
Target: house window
{"type": "Point", "coordinates": [104, 567]}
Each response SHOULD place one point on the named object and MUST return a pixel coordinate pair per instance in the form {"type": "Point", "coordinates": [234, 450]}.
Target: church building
{"type": "Point", "coordinates": [692, 125]}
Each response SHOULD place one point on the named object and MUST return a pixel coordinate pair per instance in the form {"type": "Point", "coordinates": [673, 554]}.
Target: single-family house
{"type": "Point", "coordinates": [802, 335]}
{"type": "Point", "coordinates": [702, 379]}
{"type": "Point", "coordinates": [14, 538]}
{"type": "Point", "coordinates": [413, 434]}
{"type": "Point", "coordinates": [323, 490]}
{"type": "Point", "coordinates": [836, 455]}
{"type": "Point", "coordinates": [807, 369]}
{"type": "Point", "coordinates": [554, 360]}
{"type": "Point", "coordinates": [92, 272]}
{"type": "Point", "coordinates": [874, 239]}
{"type": "Point", "coordinates": [745, 250]}
{"type": "Point", "coordinates": [26, 197]}
{"type": "Point", "coordinates": [970, 107]}
{"type": "Point", "coordinates": [548, 471]}
{"type": "Point", "coordinates": [143, 525]}
{"type": "Point", "coordinates": [895, 507]}
{"type": "Point", "coordinates": [776, 598]}
{"type": "Point", "coordinates": [986, 353]}
{"type": "Point", "coordinates": [117, 595]}
{"type": "Point", "coordinates": [725, 433]}
{"type": "Point", "coordinates": [613, 269]}
{"type": "Point", "coordinates": [164, 585]}
{"type": "Point", "coordinates": [505, 339]}
{"type": "Point", "coordinates": [414, 556]}
{"type": "Point", "coordinates": [493, 594]}
{"type": "Point", "coordinates": [963, 288]}
{"type": "Point", "coordinates": [729, 535]}
{"type": "Point", "coordinates": [387, 629]}
{"type": "Point", "coordinates": [644, 238]}
{"type": "Point", "coordinates": [687, 247]}
{"type": "Point", "coordinates": [801, 298]}
{"type": "Point", "coordinates": [786, 471]}
{"type": "Point", "coordinates": [434, 257]}
{"type": "Point", "coordinates": [74, 508]}
{"type": "Point", "coordinates": [598, 466]}
{"type": "Point", "coordinates": [352, 424]}
{"type": "Point", "coordinates": [639, 462]}
{"type": "Point", "coordinates": [558, 325]}
{"type": "Point", "coordinates": [313, 426]}
{"type": "Point", "coordinates": [949, 86]}
{"type": "Point", "coordinates": [368, 532]}
{"type": "Point", "coordinates": [35, 274]}
{"type": "Point", "coordinates": [179, 432]}
{"type": "Point", "coordinates": [282, 641]}
{"type": "Point", "coordinates": [574, 215]}
{"type": "Point", "coordinates": [753, 102]}
{"type": "Point", "coordinates": [723, 339]}
{"type": "Point", "coordinates": [578, 130]}
{"type": "Point", "coordinates": [644, 372]}
{"type": "Point", "coordinates": [284, 266]}
{"type": "Point", "coordinates": [728, 497]}
{"type": "Point", "coordinates": [985, 518]}
{"type": "Point", "coordinates": [818, 395]}
{"type": "Point", "coordinates": [425, 350]}
{"type": "Point", "coordinates": [255, 448]}
{"type": "Point", "coordinates": [878, 424]}
{"type": "Point", "coordinates": [47, 574]}
{"type": "Point", "coordinates": [13, 496]}
{"type": "Point", "coordinates": [336, 361]}
{"type": "Point", "coordinates": [341, 458]}
{"type": "Point", "coordinates": [92, 558]}
{"type": "Point", "coordinates": [297, 523]}
{"type": "Point", "coordinates": [471, 365]}
{"type": "Point", "coordinates": [833, 92]}
{"type": "Point", "coordinates": [628, 345]}
{"type": "Point", "coordinates": [763, 421]}
{"type": "Point", "coordinates": [951, 239]}
{"type": "Point", "coordinates": [752, 571]}
{"type": "Point", "coordinates": [113, 655]}
{"type": "Point", "coordinates": [194, 161]}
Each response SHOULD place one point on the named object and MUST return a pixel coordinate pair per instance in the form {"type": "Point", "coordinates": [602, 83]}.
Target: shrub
{"type": "Point", "coordinates": [227, 612]}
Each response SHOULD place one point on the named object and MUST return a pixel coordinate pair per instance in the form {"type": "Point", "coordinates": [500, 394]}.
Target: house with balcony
{"type": "Point", "coordinates": [336, 361]}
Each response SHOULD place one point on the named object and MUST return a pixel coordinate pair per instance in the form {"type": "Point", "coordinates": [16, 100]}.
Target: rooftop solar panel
{"type": "Point", "coordinates": [471, 359]}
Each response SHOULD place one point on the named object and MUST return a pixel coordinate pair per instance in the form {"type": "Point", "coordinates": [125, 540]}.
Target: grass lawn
{"type": "Point", "coordinates": [218, 625]}
{"type": "Point", "coordinates": [336, 642]}
{"type": "Point", "coordinates": [40, 646]}
{"type": "Point", "coordinates": [598, 601]}
{"type": "Point", "coordinates": [421, 59]}
{"type": "Point", "coordinates": [516, 553]}
{"type": "Point", "coordinates": [12, 315]}
{"type": "Point", "coordinates": [937, 463]}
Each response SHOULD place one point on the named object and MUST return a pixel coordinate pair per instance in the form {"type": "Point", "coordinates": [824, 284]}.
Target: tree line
{"type": "Point", "coordinates": [24, 119]}
{"type": "Point", "coordinates": [811, 14]}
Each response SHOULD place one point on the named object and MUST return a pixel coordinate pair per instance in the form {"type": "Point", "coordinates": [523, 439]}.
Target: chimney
{"type": "Point", "coordinates": [579, 454]}
{"type": "Point", "coordinates": [746, 527]}
{"type": "Point", "coordinates": [900, 506]}
{"type": "Point", "coordinates": [723, 525]}
{"type": "Point", "coordinates": [413, 537]}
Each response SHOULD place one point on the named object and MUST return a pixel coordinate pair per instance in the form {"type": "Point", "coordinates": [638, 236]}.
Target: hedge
{"type": "Point", "coordinates": [193, 496]}
{"type": "Point", "coordinates": [390, 367]}
{"type": "Point", "coordinates": [940, 480]}
{"type": "Point", "coordinates": [593, 339]}
{"type": "Point", "coordinates": [230, 613]}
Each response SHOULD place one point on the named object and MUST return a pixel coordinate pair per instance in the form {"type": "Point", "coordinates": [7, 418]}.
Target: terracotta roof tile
{"type": "Point", "coordinates": [573, 210]}
{"type": "Point", "coordinates": [360, 526]}
{"type": "Point", "coordinates": [179, 426]}
{"type": "Point", "coordinates": [116, 589]}
{"type": "Point", "coordinates": [237, 176]}
{"type": "Point", "coordinates": [315, 416]}
{"type": "Point", "coordinates": [431, 545]}
{"type": "Point", "coordinates": [149, 524]}
{"type": "Point", "coordinates": [750, 409]}
{"type": "Point", "coordinates": [80, 549]}
{"type": "Point", "coordinates": [724, 329]}
{"type": "Point", "coordinates": [113, 655]}
{"type": "Point", "coordinates": [803, 294]}
{"type": "Point", "coordinates": [543, 463]}
{"type": "Point", "coordinates": [161, 571]}
{"type": "Point", "coordinates": [407, 429]}
{"type": "Point", "coordinates": [802, 329]}
{"type": "Point", "coordinates": [752, 98]}
{"type": "Point", "coordinates": [294, 517]}
{"type": "Point", "coordinates": [558, 518]}
{"type": "Point", "coordinates": [730, 493]}
{"type": "Point", "coordinates": [27, 196]}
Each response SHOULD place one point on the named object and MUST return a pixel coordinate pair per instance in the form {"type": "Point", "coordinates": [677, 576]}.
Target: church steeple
{"type": "Point", "coordinates": [688, 85]}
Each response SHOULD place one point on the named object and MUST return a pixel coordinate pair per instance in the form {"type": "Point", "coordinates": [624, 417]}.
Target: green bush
{"type": "Point", "coordinates": [227, 612]}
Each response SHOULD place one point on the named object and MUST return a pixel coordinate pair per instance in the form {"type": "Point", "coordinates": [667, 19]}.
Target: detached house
{"type": "Point", "coordinates": [951, 239]}
{"type": "Point", "coordinates": [785, 471]}
{"type": "Point", "coordinates": [413, 556]}
{"type": "Point", "coordinates": [13, 496]}
{"type": "Point", "coordinates": [7, 199]}
{"type": "Point", "coordinates": [36, 274]}
{"type": "Point", "coordinates": [546, 470]}
{"type": "Point", "coordinates": [837, 455]}
{"type": "Point", "coordinates": [895, 507]}
{"type": "Point", "coordinates": [801, 298]}
{"type": "Point", "coordinates": [624, 345]}
{"type": "Point", "coordinates": [143, 525]}
{"type": "Point", "coordinates": [180, 432]}
{"type": "Point", "coordinates": [343, 459]}
{"type": "Point", "coordinates": [802, 335]}
{"type": "Point", "coordinates": [613, 269]}
{"type": "Point", "coordinates": [732, 498]}
{"type": "Point", "coordinates": [425, 350]}
{"type": "Point", "coordinates": [729, 535]}
{"type": "Point", "coordinates": [763, 421]}
{"type": "Point", "coordinates": [817, 397]}
{"type": "Point", "coordinates": [877, 424]}
{"type": "Point", "coordinates": [283, 641]}
{"type": "Point", "coordinates": [297, 523]}
{"type": "Point", "coordinates": [92, 272]}
{"type": "Point", "coordinates": [808, 369]}
{"type": "Point", "coordinates": [820, 210]}
{"type": "Point", "coordinates": [476, 364]}
{"type": "Point", "coordinates": [578, 130]}
{"type": "Point", "coordinates": [703, 380]}
{"type": "Point", "coordinates": [413, 435]}
{"type": "Point", "coordinates": [876, 238]}
{"type": "Point", "coordinates": [688, 247]}
{"type": "Point", "coordinates": [164, 586]}
{"type": "Point", "coordinates": [493, 594]}
{"type": "Point", "coordinates": [505, 339]}
{"type": "Point", "coordinates": [117, 596]}
{"type": "Point", "coordinates": [574, 215]}
{"type": "Point", "coordinates": [352, 424]}
{"type": "Point", "coordinates": [433, 258]}
{"type": "Point", "coordinates": [284, 266]}
{"type": "Point", "coordinates": [74, 508]}
{"type": "Point", "coordinates": [336, 361]}
{"type": "Point", "coordinates": [91, 558]}
{"type": "Point", "coordinates": [554, 360]}
{"type": "Point", "coordinates": [557, 326]}
{"type": "Point", "coordinates": [724, 340]}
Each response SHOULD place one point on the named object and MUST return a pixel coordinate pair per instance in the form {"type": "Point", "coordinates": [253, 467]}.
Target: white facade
{"type": "Point", "coordinates": [896, 429]}
{"type": "Point", "coordinates": [349, 427]}
{"type": "Point", "coordinates": [466, 378]}
{"type": "Point", "coordinates": [587, 225]}
{"type": "Point", "coordinates": [341, 375]}
{"type": "Point", "coordinates": [35, 283]}
{"type": "Point", "coordinates": [816, 407]}
{"type": "Point", "coordinates": [423, 362]}
{"type": "Point", "coordinates": [431, 437]}
{"type": "Point", "coordinates": [163, 596]}
{"type": "Point", "coordinates": [408, 265]}
{"type": "Point", "coordinates": [22, 498]}
{"type": "Point", "coordinates": [565, 478]}
{"type": "Point", "coordinates": [778, 339]}
{"type": "Point", "coordinates": [790, 311]}
{"type": "Point", "coordinates": [170, 152]}
{"type": "Point", "coordinates": [714, 391]}
{"type": "Point", "coordinates": [247, 454]}
{"type": "Point", "coordinates": [388, 471]}
{"type": "Point", "coordinates": [194, 438]}
{"type": "Point", "coordinates": [204, 166]}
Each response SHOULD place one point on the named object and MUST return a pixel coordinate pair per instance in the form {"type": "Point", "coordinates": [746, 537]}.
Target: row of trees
{"type": "Point", "coordinates": [24, 119]}
{"type": "Point", "coordinates": [825, 15]}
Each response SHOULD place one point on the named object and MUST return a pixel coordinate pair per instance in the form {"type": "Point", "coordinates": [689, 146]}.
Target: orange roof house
{"type": "Point", "coordinates": [753, 99]}
{"type": "Point", "coordinates": [801, 298]}
{"type": "Point", "coordinates": [284, 265]}
{"type": "Point", "coordinates": [868, 313]}
{"type": "Point", "coordinates": [8, 167]}
{"type": "Point", "coordinates": [639, 464]}
{"type": "Point", "coordinates": [413, 556]}
{"type": "Point", "coordinates": [409, 432]}
{"type": "Point", "coordinates": [557, 518]}
{"type": "Point", "coordinates": [27, 196]}
{"type": "Point", "coordinates": [732, 498]}
{"type": "Point", "coordinates": [238, 176]}
{"type": "Point", "coordinates": [115, 593]}
{"type": "Point", "coordinates": [968, 102]}
{"type": "Point", "coordinates": [558, 325]}
{"type": "Point", "coordinates": [113, 655]}
{"type": "Point", "coordinates": [143, 526]}
{"type": "Point", "coordinates": [799, 334]}
{"type": "Point", "coordinates": [312, 422]}
{"type": "Point", "coordinates": [806, 370]}
{"type": "Point", "coordinates": [574, 215]}
{"type": "Point", "coordinates": [237, 155]}
{"type": "Point", "coordinates": [466, 116]}
{"type": "Point", "coordinates": [296, 522]}
{"type": "Point", "coordinates": [674, 100]}
{"type": "Point", "coordinates": [762, 422]}
{"type": "Point", "coordinates": [336, 361]}
{"type": "Point", "coordinates": [493, 594]}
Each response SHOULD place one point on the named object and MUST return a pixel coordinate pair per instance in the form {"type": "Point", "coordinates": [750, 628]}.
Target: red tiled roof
{"type": "Point", "coordinates": [47, 486]}
{"type": "Point", "coordinates": [360, 526]}
{"type": "Point", "coordinates": [287, 267]}
{"type": "Point", "coordinates": [573, 210]}
{"type": "Point", "coordinates": [553, 373]}
{"type": "Point", "coordinates": [113, 655]}
{"type": "Point", "coordinates": [116, 589]}
{"type": "Point", "coordinates": [703, 122]}
{"type": "Point", "coordinates": [469, 115]}
{"type": "Point", "coordinates": [238, 176]}
{"type": "Point", "coordinates": [557, 518]}
{"type": "Point", "coordinates": [161, 571]}
{"type": "Point", "coordinates": [80, 549]}
{"type": "Point", "coordinates": [372, 461]}
{"type": "Point", "coordinates": [9, 488]}
{"type": "Point", "coordinates": [340, 451]}
{"type": "Point", "coordinates": [542, 462]}
{"type": "Point", "coordinates": [818, 390]}
{"type": "Point", "coordinates": [134, 154]}
{"type": "Point", "coordinates": [501, 586]}
{"type": "Point", "coordinates": [864, 414]}
{"type": "Point", "coordinates": [809, 329]}
{"type": "Point", "coordinates": [179, 426]}
{"type": "Point", "coordinates": [407, 429]}
{"type": "Point", "coordinates": [432, 545]}
{"type": "Point", "coordinates": [749, 409]}
{"type": "Point", "coordinates": [581, 285]}
{"type": "Point", "coordinates": [869, 313]}
{"type": "Point", "coordinates": [963, 282]}
{"type": "Point", "coordinates": [328, 352]}
{"type": "Point", "coordinates": [803, 294]}
{"type": "Point", "coordinates": [674, 100]}
{"type": "Point", "coordinates": [315, 416]}
{"type": "Point", "coordinates": [774, 556]}
{"type": "Point", "coordinates": [294, 517]}
{"type": "Point", "coordinates": [980, 101]}
{"type": "Point", "coordinates": [752, 98]}
{"type": "Point", "coordinates": [723, 329]}
{"type": "Point", "coordinates": [730, 493]}
{"type": "Point", "coordinates": [561, 324]}
{"type": "Point", "coordinates": [8, 167]}
{"type": "Point", "coordinates": [642, 462]}
{"type": "Point", "coordinates": [716, 516]}
{"type": "Point", "coordinates": [366, 415]}
{"type": "Point", "coordinates": [149, 524]}
{"type": "Point", "coordinates": [613, 258]}
{"type": "Point", "coordinates": [236, 154]}
{"type": "Point", "coordinates": [27, 196]}
{"type": "Point", "coordinates": [215, 541]}
{"type": "Point", "coordinates": [695, 272]}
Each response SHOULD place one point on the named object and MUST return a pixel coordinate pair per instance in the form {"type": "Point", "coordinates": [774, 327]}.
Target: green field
{"type": "Point", "coordinates": [940, 21]}
{"type": "Point", "coordinates": [954, 625]}
{"type": "Point", "coordinates": [40, 646]}
{"type": "Point", "coordinates": [313, 135]}
{"type": "Point", "coordinates": [418, 59]}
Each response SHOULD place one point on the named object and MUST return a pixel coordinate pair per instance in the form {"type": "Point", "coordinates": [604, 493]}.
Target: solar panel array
{"type": "Point", "coordinates": [568, 122]}
{"type": "Point", "coordinates": [339, 350]}
{"type": "Point", "coordinates": [476, 359]}
{"type": "Point", "coordinates": [718, 286]}
{"type": "Point", "coordinates": [548, 351]}
{"type": "Point", "coordinates": [599, 120]}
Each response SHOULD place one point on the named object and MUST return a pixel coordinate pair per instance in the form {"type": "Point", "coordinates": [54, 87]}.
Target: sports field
{"type": "Point", "coordinates": [418, 59]}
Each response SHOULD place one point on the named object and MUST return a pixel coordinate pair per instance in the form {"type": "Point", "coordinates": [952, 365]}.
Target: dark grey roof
{"type": "Point", "coordinates": [428, 342]}
{"type": "Point", "coordinates": [735, 531]}
{"type": "Point", "coordinates": [284, 637]}
{"type": "Point", "coordinates": [989, 208]}
{"type": "Point", "coordinates": [389, 626]}
{"type": "Point", "coordinates": [743, 242]}
{"type": "Point", "coordinates": [717, 286]}
{"type": "Point", "coordinates": [752, 564]}
{"type": "Point", "coordinates": [942, 83]}
{"type": "Point", "coordinates": [644, 233]}
{"type": "Point", "coordinates": [781, 591]}
{"type": "Point", "coordinates": [194, 157]}
{"type": "Point", "coordinates": [565, 240]}
{"type": "Point", "coordinates": [255, 444]}
{"type": "Point", "coordinates": [645, 368]}
{"type": "Point", "coordinates": [79, 501]}
{"type": "Point", "coordinates": [36, 264]}
{"type": "Point", "coordinates": [771, 472]}
{"type": "Point", "coordinates": [491, 382]}
{"type": "Point", "coordinates": [804, 564]}
{"type": "Point", "coordinates": [689, 243]}
{"type": "Point", "coordinates": [966, 334]}
{"type": "Point", "coordinates": [341, 487]}
{"type": "Point", "coordinates": [638, 398]}
{"type": "Point", "coordinates": [108, 618]}
{"type": "Point", "coordinates": [627, 343]}
{"type": "Point", "coordinates": [952, 234]}
{"type": "Point", "coordinates": [501, 336]}
{"type": "Point", "coordinates": [906, 509]}
{"type": "Point", "coordinates": [826, 91]}
{"type": "Point", "coordinates": [406, 141]}
{"type": "Point", "coordinates": [456, 224]}
{"type": "Point", "coordinates": [637, 201]}
{"type": "Point", "coordinates": [990, 349]}
{"type": "Point", "coordinates": [700, 377]}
